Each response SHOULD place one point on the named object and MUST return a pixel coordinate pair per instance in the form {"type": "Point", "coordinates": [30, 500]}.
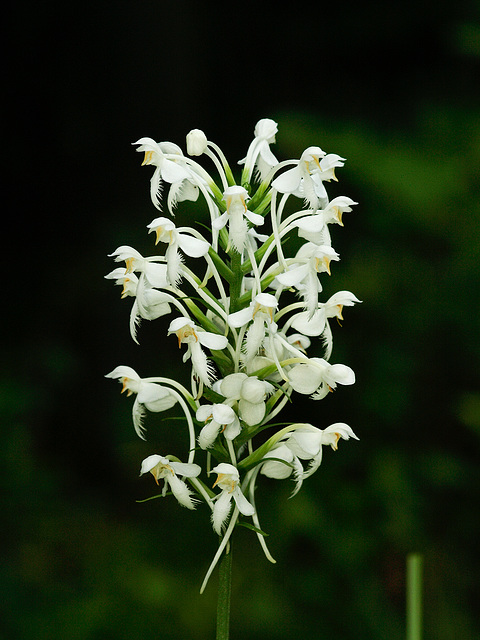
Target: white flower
{"type": "Point", "coordinates": [196, 142]}
{"type": "Point", "coordinates": [218, 417]}
{"type": "Point", "coordinates": [263, 306]}
{"type": "Point", "coordinates": [149, 303]}
{"type": "Point", "coordinates": [260, 312]}
{"type": "Point", "coordinates": [249, 392]}
{"type": "Point", "coordinates": [315, 227]}
{"type": "Point", "coordinates": [334, 211]}
{"type": "Point", "coordinates": [279, 347]}
{"type": "Point", "coordinates": [316, 377]}
{"type": "Point", "coordinates": [236, 215]}
{"type": "Point", "coordinates": [325, 173]}
{"type": "Point", "coordinates": [168, 170]}
{"type": "Point", "coordinates": [298, 181]}
{"type": "Point", "coordinates": [228, 480]}
{"type": "Point", "coordinates": [310, 260]}
{"type": "Point", "coordinates": [280, 463]}
{"type": "Point", "coordinates": [259, 153]}
{"type": "Point", "coordinates": [166, 231]}
{"type": "Point", "coordinates": [149, 395]}
{"type": "Point", "coordinates": [128, 281]}
{"type": "Point", "coordinates": [306, 179]}
{"type": "Point", "coordinates": [317, 324]}
{"type": "Point", "coordinates": [155, 274]}
{"type": "Point", "coordinates": [168, 470]}
{"type": "Point", "coordinates": [194, 337]}
{"type": "Point", "coordinates": [304, 443]}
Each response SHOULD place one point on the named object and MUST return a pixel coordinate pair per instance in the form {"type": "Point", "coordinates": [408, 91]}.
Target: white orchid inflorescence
{"type": "Point", "coordinates": [245, 325]}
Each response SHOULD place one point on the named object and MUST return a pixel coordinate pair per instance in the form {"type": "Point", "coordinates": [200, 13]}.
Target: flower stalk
{"type": "Point", "coordinates": [224, 596]}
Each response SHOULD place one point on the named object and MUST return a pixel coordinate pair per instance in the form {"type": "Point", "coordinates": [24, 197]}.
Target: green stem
{"type": "Point", "coordinates": [236, 283]}
{"type": "Point", "coordinates": [414, 596]}
{"type": "Point", "coordinates": [224, 591]}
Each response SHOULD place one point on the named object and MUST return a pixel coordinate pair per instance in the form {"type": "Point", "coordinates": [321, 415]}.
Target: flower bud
{"type": "Point", "coordinates": [253, 390]}
{"type": "Point", "coordinates": [196, 142]}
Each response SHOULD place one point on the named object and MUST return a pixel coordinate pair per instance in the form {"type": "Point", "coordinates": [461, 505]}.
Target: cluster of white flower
{"type": "Point", "coordinates": [245, 325]}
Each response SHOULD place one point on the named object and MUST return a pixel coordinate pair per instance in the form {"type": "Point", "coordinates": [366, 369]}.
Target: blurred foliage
{"type": "Point", "coordinates": [394, 92]}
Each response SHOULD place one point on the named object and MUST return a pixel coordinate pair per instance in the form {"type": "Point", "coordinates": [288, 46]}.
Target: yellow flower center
{"type": "Point", "coordinates": [225, 482]}
{"type": "Point", "coordinates": [148, 157]}
{"type": "Point", "coordinates": [267, 310]}
{"type": "Point", "coordinates": [184, 333]}
{"type": "Point", "coordinates": [325, 261]}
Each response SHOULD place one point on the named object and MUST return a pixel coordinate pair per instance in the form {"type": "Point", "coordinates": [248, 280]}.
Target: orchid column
{"type": "Point", "coordinates": [244, 309]}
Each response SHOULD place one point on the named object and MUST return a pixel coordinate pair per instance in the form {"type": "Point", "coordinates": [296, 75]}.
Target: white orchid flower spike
{"type": "Point", "coordinates": [244, 272]}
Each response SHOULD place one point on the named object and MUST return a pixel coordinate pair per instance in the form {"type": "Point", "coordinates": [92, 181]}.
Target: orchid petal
{"type": "Point", "coordinates": [212, 340]}
{"type": "Point", "coordinates": [240, 318]}
{"type": "Point", "coordinates": [254, 218]}
{"type": "Point", "coordinates": [193, 247]}
{"type": "Point", "coordinates": [242, 503]}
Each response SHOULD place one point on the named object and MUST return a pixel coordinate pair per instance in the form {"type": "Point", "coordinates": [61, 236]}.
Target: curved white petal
{"type": "Point", "coordinates": [254, 218]}
{"type": "Point", "coordinates": [223, 414]}
{"type": "Point", "coordinates": [293, 276]}
{"type": "Point", "coordinates": [233, 429]}
{"type": "Point", "coordinates": [151, 392]}
{"type": "Point", "coordinates": [242, 503]}
{"type": "Point", "coordinates": [178, 323]}
{"type": "Point", "coordinates": [305, 378]}
{"type": "Point", "coordinates": [340, 373]}
{"type": "Point", "coordinates": [193, 247]}
{"type": "Point", "coordinates": [123, 371]}
{"type": "Point", "coordinates": [335, 431]}
{"type": "Point", "coordinates": [150, 462]}
{"type": "Point", "coordinates": [156, 275]}
{"type": "Point", "coordinates": [212, 340]}
{"type": "Point", "coordinates": [254, 390]}
{"type": "Point", "coordinates": [173, 172]}
{"type": "Point", "coordinates": [204, 412]}
{"type": "Point", "coordinates": [274, 468]}
{"type": "Point", "coordinates": [305, 444]}
{"type": "Point", "coordinates": [288, 181]}
{"type": "Point", "coordinates": [189, 470]}
{"type": "Point", "coordinates": [240, 318]}
{"type": "Point", "coordinates": [267, 155]}
{"type": "Point", "coordinates": [313, 326]}
{"type": "Point", "coordinates": [220, 222]}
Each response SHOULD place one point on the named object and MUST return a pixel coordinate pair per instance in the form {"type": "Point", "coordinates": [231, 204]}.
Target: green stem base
{"type": "Point", "coordinates": [224, 592]}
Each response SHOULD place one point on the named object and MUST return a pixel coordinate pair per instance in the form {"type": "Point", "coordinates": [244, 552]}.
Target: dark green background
{"type": "Point", "coordinates": [392, 88]}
